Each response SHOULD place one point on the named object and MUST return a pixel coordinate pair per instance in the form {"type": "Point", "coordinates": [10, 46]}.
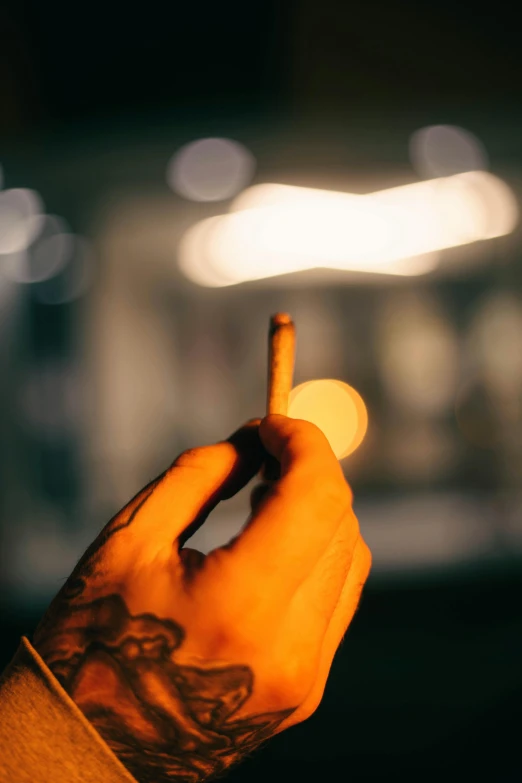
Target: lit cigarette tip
{"type": "Point", "coordinates": [279, 319]}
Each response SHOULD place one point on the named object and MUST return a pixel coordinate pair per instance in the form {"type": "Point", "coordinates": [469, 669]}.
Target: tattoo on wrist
{"type": "Point", "coordinates": [165, 721]}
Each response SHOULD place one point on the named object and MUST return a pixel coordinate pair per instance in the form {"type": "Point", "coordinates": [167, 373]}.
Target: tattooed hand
{"type": "Point", "coordinates": [183, 662]}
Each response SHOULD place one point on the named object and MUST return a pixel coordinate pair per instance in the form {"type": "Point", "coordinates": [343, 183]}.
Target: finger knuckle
{"type": "Point", "coordinates": [195, 458]}
{"type": "Point", "coordinates": [308, 429]}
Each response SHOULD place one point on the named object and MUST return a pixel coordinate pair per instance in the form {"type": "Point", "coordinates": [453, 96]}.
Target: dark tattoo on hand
{"type": "Point", "coordinates": [165, 721]}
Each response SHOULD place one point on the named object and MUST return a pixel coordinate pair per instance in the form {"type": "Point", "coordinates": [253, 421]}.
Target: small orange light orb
{"type": "Point", "coordinates": [336, 408]}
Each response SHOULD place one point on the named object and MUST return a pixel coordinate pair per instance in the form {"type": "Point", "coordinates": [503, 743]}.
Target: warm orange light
{"type": "Point", "coordinates": [336, 408]}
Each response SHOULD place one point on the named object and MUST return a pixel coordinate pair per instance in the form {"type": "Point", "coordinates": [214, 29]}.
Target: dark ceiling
{"type": "Point", "coordinates": [64, 62]}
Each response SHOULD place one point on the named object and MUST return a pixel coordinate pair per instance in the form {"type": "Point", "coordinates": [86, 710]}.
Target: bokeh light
{"type": "Point", "coordinates": [442, 150]}
{"type": "Point", "coordinates": [45, 257]}
{"type": "Point", "coordinates": [73, 280]}
{"type": "Point", "coordinates": [210, 169]}
{"type": "Point", "coordinates": [419, 355]}
{"type": "Point", "coordinates": [336, 408]}
{"type": "Point", "coordinates": [193, 256]}
{"type": "Point", "coordinates": [419, 449]}
{"type": "Point", "coordinates": [495, 346]}
{"type": "Point", "coordinates": [476, 415]}
{"type": "Point", "coordinates": [21, 219]}
{"type": "Point", "coordinates": [52, 397]}
{"type": "Point", "coordinates": [476, 205]}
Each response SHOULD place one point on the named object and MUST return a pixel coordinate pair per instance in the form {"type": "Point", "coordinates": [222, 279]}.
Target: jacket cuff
{"type": "Point", "coordinates": [44, 736]}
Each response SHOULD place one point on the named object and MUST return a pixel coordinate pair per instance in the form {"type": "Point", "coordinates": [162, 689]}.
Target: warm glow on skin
{"type": "Point", "coordinates": [336, 408]}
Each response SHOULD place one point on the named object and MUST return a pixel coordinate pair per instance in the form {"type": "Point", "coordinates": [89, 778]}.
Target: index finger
{"type": "Point", "coordinates": [299, 515]}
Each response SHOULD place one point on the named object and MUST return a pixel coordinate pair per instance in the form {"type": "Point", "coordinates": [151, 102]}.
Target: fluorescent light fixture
{"type": "Point", "coordinates": [279, 229]}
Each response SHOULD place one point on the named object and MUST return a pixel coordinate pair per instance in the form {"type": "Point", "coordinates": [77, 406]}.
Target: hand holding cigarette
{"type": "Point", "coordinates": [251, 628]}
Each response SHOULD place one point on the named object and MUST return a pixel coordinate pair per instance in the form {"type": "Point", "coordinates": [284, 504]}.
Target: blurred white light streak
{"type": "Point", "coordinates": [21, 219]}
{"type": "Point", "coordinates": [210, 169]}
{"type": "Point", "coordinates": [396, 231]}
{"type": "Point", "coordinates": [194, 250]}
{"type": "Point", "coordinates": [270, 194]}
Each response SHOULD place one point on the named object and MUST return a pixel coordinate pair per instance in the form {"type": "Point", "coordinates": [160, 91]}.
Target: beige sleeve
{"type": "Point", "coordinates": [44, 737]}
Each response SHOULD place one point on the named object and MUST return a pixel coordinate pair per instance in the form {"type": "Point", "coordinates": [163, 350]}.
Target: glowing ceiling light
{"type": "Point", "coordinates": [396, 231]}
{"type": "Point", "coordinates": [270, 194]}
{"type": "Point", "coordinates": [336, 408]}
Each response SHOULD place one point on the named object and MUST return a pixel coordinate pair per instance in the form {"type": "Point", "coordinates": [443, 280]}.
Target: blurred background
{"type": "Point", "coordinates": [131, 329]}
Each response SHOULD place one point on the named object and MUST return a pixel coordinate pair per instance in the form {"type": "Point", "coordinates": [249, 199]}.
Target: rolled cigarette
{"type": "Point", "coordinates": [281, 357]}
